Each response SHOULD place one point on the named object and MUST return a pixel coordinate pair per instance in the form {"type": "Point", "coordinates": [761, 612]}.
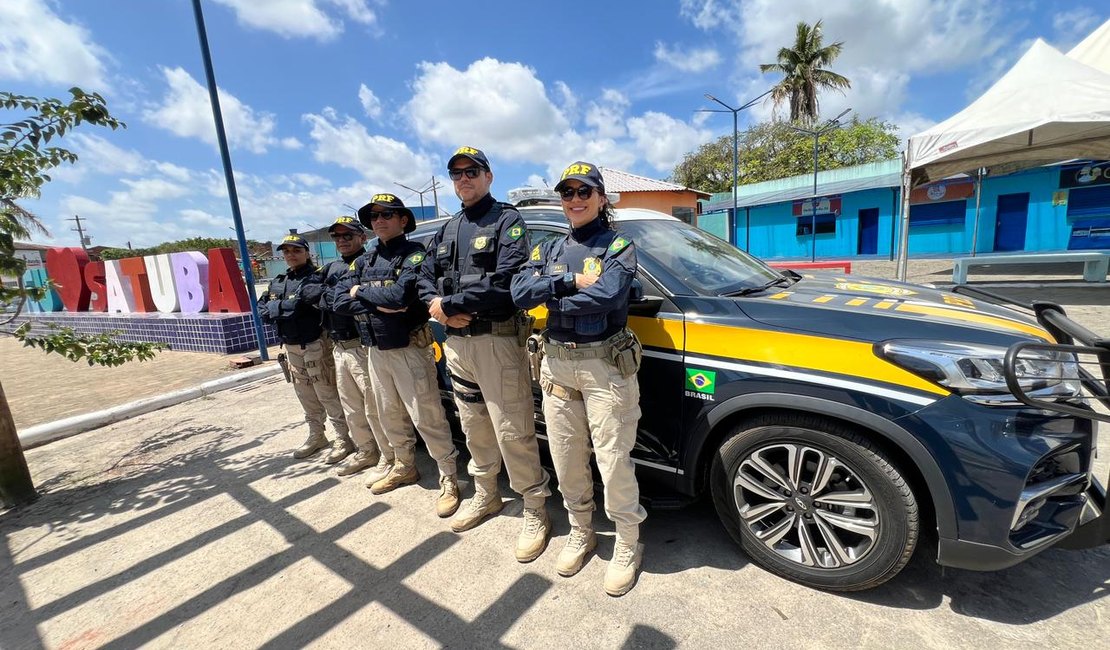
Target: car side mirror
{"type": "Point", "coordinates": [641, 304]}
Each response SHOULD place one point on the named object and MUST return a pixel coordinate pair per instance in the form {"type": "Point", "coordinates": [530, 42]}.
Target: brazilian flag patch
{"type": "Point", "coordinates": [536, 253]}
{"type": "Point", "coordinates": [701, 381]}
{"type": "Point", "coordinates": [516, 232]}
{"type": "Point", "coordinates": [618, 245]}
{"type": "Point", "coordinates": [416, 258]}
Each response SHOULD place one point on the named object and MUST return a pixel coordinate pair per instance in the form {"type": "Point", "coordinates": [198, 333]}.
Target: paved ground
{"type": "Point", "coordinates": [192, 527]}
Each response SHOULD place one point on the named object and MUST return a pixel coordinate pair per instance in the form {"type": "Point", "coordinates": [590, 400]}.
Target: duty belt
{"type": "Point", "coordinates": [347, 344]}
{"type": "Point", "coordinates": [571, 351]}
{"type": "Point", "coordinates": [480, 326]}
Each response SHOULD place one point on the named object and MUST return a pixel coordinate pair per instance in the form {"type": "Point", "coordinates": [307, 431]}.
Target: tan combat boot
{"type": "Point", "coordinates": [484, 503]}
{"type": "Point", "coordinates": [448, 501]}
{"type": "Point", "coordinates": [314, 443]}
{"type": "Point", "coordinates": [380, 471]}
{"type": "Point", "coordinates": [580, 543]}
{"type": "Point", "coordinates": [400, 475]}
{"type": "Point", "coordinates": [620, 577]}
{"type": "Point", "coordinates": [534, 535]}
{"type": "Point", "coordinates": [340, 449]}
{"type": "Point", "coordinates": [359, 461]}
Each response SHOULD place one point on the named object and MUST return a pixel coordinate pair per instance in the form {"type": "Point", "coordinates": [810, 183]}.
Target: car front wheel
{"type": "Point", "coordinates": [814, 502]}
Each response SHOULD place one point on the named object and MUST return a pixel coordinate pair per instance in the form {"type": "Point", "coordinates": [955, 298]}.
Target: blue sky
{"type": "Point", "coordinates": [330, 101]}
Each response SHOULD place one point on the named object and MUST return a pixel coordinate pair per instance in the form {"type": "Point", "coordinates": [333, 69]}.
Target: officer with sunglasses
{"type": "Point", "coordinates": [588, 370]}
{"type": "Point", "coordinates": [288, 304]}
{"type": "Point", "coordinates": [369, 447]}
{"type": "Point", "coordinates": [382, 289]}
{"type": "Point", "coordinates": [465, 282]}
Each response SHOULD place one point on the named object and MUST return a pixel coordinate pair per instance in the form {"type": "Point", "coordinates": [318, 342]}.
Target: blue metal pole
{"type": "Point", "coordinates": [229, 176]}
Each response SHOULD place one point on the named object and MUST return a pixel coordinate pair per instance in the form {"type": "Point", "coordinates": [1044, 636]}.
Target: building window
{"type": "Point", "coordinates": [822, 223]}
{"type": "Point", "coordinates": [938, 214]}
{"type": "Point", "coordinates": [686, 214]}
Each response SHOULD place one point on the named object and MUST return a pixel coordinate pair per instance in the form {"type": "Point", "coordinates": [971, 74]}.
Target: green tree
{"type": "Point", "coordinates": [25, 163]}
{"type": "Point", "coordinates": [804, 73]}
{"type": "Point", "coordinates": [773, 150]}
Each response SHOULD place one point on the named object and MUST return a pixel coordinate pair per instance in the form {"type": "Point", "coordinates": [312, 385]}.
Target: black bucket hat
{"type": "Point", "coordinates": [390, 203]}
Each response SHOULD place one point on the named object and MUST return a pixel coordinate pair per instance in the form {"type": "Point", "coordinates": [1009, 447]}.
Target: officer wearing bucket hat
{"type": "Point", "coordinates": [369, 446]}
{"type": "Point", "coordinates": [382, 290]}
{"type": "Point", "coordinates": [288, 304]}
{"type": "Point", "coordinates": [588, 370]}
{"type": "Point", "coordinates": [465, 282]}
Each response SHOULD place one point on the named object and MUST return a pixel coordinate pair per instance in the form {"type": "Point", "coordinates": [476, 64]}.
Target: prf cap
{"type": "Point", "coordinates": [473, 154]}
{"type": "Point", "coordinates": [293, 240]}
{"type": "Point", "coordinates": [388, 203]}
{"type": "Point", "coordinates": [347, 222]}
{"type": "Point", "coordinates": [583, 172]}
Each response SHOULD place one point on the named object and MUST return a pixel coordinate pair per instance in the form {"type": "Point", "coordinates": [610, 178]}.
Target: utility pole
{"type": "Point", "coordinates": [831, 125]}
{"type": "Point", "coordinates": [431, 188]}
{"type": "Point", "coordinates": [80, 232]}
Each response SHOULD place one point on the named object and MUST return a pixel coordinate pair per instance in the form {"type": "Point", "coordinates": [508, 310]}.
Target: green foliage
{"type": "Point", "coordinates": [773, 150]}
{"type": "Point", "coordinates": [25, 161]}
{"type": "Point", "coordinates": [803, 72]}
{"type": "Point", "coordinates": [97, 350]}
{"type": "Point", "coordinates": [201, 244]}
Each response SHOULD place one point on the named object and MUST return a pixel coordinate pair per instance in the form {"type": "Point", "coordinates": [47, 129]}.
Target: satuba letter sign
{"type": "Point", "coordinates": [173, 282]}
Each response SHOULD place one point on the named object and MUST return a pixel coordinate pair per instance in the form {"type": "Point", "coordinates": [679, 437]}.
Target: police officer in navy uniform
{"type": "Point", "coordinates": [465, 282]}
{"type": "Point", "coordinates": [588, 370]}
{"type": "Point", "coordinates": [288, 304]}
{"type": "Point", "coordinates": [383, 295]}
{"type": "Point", "coordinates": [369, 446]}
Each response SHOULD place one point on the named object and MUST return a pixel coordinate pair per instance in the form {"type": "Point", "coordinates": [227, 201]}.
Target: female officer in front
{"type": "Point", "coordinates": [588, 371]}
{"type": "Point", "coordinates": [288, 304]}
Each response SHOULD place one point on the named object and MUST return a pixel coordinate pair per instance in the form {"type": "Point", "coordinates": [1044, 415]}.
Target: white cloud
{"type": "Point", "coordinates": [300, 18]}
{"type": "Point", "coordinates": [37, 45]}
{"type": "Point", "coordinates": [687, 59]}
{"type": "Point", "coordinates": [202, 218]}
{"type": "Point", "coordinates": [345, 141]}
{"type": "Point", "coordinates": [663, 140]}
{"type": "Point", "coordinates": [291, 143]}
{"type": "Point", "coordinates": [501, 108]}
{"type": "Point", "coordinates": [606, 115]}
{"type": "Point", "coordinates": [1070, 27]}
{"type": "Point", "coordinates": [370, 102]}
{"type": "Point", "coordinates": [186, 111]}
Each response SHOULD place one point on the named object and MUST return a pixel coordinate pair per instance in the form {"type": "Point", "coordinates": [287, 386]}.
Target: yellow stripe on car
{"type": "Point", "coordinates": [982, 319]}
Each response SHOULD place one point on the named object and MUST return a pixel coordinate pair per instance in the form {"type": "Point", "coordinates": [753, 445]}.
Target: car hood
{"type": "Point", "coordinates": [892, 303]}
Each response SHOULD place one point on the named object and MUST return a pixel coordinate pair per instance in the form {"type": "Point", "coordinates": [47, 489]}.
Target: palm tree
{"type": "Point", "coordinates": [804, 73]}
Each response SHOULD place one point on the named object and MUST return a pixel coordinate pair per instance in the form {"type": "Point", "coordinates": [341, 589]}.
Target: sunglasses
{"type": "Point", "coordinates": [384, 215]}
{"type": "Point", "coordinates": [471, 172]}
{"type": "Point", "coordinates": [347, 236]}
{"type": "Point", "coordinates": [583, 192]}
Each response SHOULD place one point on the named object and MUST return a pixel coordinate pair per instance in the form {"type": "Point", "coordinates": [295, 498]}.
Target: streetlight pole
{"type": "Point", "coordinates": [432, 188]}
{"type": "Point", "coordinates": [735, 150]}
{"type": "Point", "coordinates": [831, 125]}
{"type": "Point", "coordinates": [229, 177]}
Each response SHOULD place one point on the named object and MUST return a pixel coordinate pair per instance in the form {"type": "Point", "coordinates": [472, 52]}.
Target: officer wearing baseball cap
{"type": "Point", "coordinates": [401, 359]}
{"type": "Point", "coordinates": [288, 304]}
{"type": "Point", "coordinates": [588, 370]}
{"type": "Point", "coordinates": [465, 282]}
{"type": "Point", "coordinates": [369, 446]}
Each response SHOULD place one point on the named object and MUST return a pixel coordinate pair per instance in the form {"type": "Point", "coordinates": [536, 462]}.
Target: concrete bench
{"type": "Point", "coordinates": [1095, 263]}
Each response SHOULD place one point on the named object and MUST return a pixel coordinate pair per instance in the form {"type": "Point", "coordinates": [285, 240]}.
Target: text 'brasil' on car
{"type": "Point", "coordinates": [835, 419]}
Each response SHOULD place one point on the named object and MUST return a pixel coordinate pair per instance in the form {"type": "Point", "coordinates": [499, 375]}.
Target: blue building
{"type": "Point", "coordinates": [858, 213]}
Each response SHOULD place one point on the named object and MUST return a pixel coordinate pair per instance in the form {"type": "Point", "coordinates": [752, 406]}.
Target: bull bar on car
{"type": "Point", "coordinates": [1092, 354]}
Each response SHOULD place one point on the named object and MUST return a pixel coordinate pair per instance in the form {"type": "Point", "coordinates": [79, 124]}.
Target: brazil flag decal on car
{"type": "Point", "coordinates": [701, 384]}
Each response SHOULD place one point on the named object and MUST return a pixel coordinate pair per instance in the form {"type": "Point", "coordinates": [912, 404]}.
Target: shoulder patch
{"type": "Point", "coordinates": [516, 232]}
{"type": "Point", "coordinates": [536, 253]}
{"type": "Point", "coordinates": [618, 244]}
{"type": "Point", "coordinates": [416, 258]}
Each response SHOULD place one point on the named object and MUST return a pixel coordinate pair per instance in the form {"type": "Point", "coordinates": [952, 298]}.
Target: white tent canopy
{"type": "Point", "coordinates": [1047, 108]}
{"type": "Point", "coordinates": [1095, 49]}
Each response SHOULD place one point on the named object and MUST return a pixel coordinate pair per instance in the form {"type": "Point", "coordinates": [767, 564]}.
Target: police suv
{"type": "Point", "coordinates": [834, 419]}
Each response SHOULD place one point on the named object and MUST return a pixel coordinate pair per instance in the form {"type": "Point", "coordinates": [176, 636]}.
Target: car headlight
{"type": "Point", "coordinates": [975, 372]}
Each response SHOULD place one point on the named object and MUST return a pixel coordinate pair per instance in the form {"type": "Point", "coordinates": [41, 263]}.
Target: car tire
{"type": "Point", "coordinates": [813, 501]}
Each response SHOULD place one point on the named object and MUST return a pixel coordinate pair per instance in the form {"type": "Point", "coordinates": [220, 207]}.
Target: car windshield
{"type": "Point", "coordinates": [700, 261]}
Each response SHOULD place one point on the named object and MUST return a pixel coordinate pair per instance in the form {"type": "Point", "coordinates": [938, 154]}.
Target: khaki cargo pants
{"type": "Point", "coordinates": [493, 393]}
{"type": "Point", "coordinates": [405, 387]}
{"type": "Point", "coordinates": [605, 416]}
{"type": "Point", "coordinates": [313, 371]}
{"type": "Point", "coordinates": [355, 393]}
